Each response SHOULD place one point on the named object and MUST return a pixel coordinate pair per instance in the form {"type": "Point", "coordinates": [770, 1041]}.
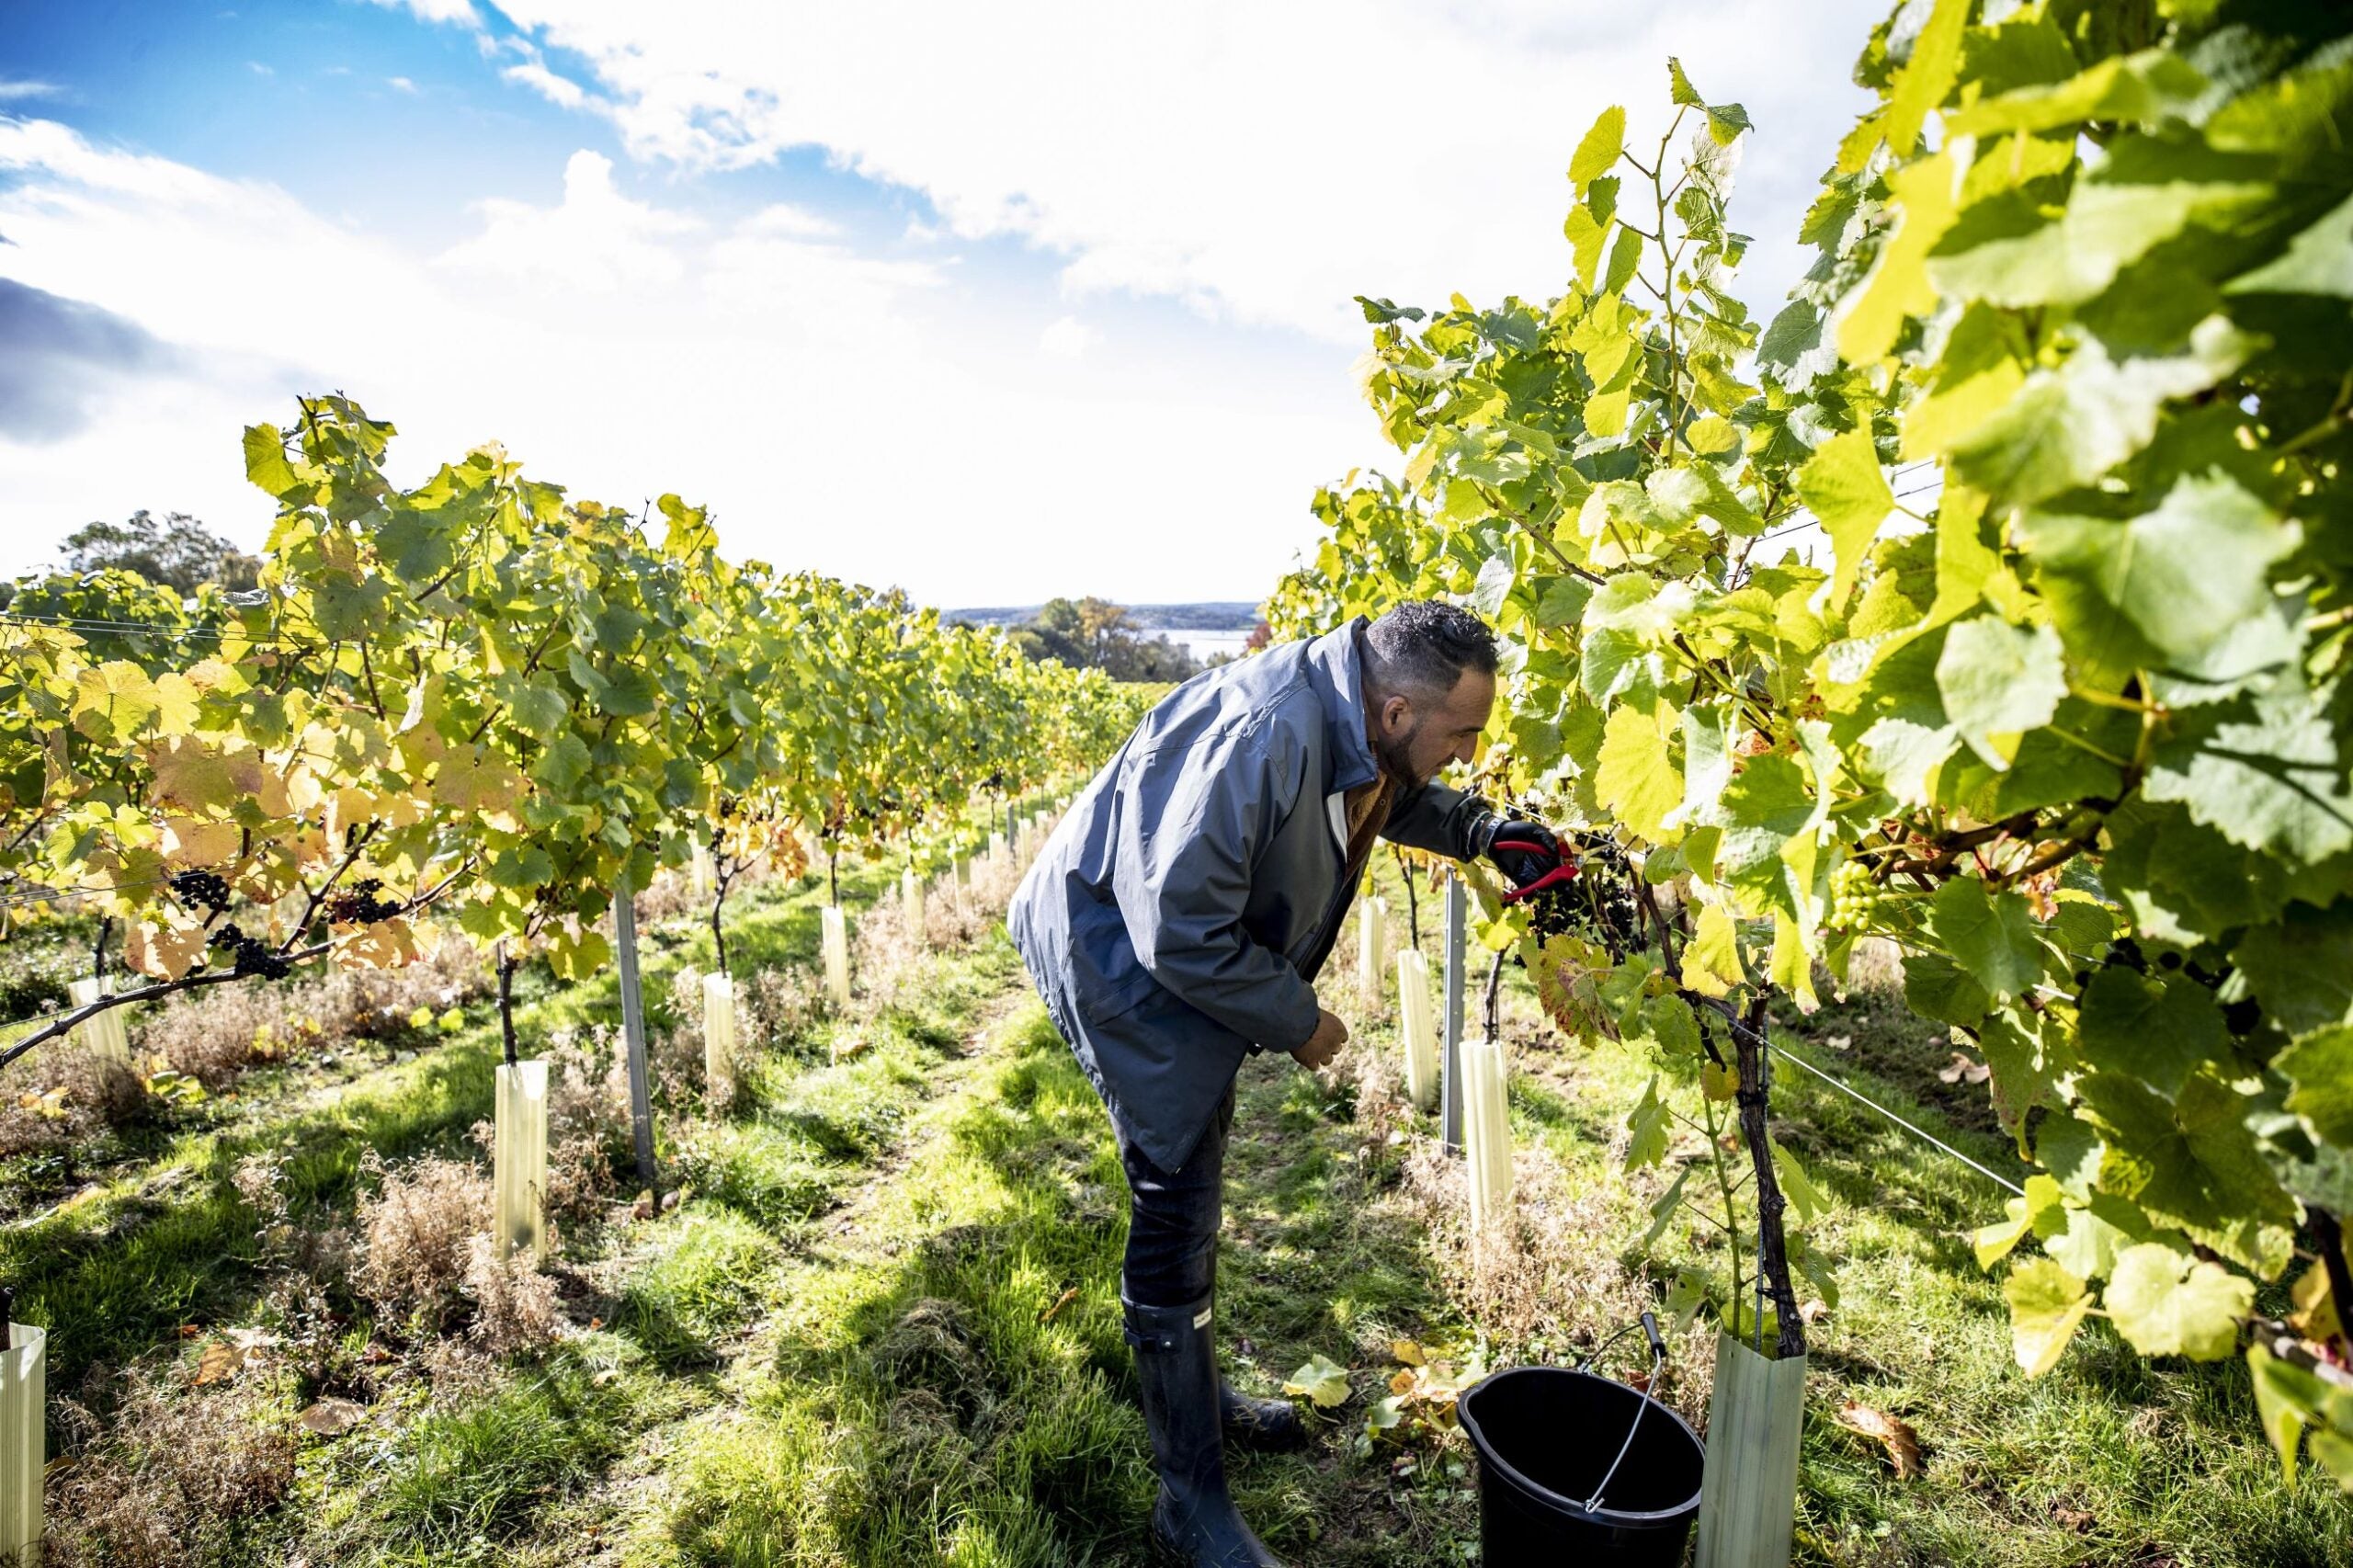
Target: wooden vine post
{"type": "Point", "coordinates": [1417, 1028]}
{"type": "Point", "coordinates": [24, 1378]}
{"type": "Point", "coordinates": [641, 1093]}
{"type": "Point", "coordinates": [1449, 1062]}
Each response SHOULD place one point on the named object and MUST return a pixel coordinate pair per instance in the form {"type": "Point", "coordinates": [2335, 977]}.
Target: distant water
{"type": "Point", "coordinates": [1202, 644]}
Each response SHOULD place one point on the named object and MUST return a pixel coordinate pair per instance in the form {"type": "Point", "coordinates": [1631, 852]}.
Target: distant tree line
{"type": "Point", "coordinates": [178, 553]}
{"type": "Point", "coordinates": [1095, 634]}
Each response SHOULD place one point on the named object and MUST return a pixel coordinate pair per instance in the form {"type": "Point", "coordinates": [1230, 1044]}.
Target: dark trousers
{"type": "Point", "coordinates": [1173, 1218]}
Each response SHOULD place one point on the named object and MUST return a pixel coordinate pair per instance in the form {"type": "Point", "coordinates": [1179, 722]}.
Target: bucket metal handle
{"type": "Point", "coordinates": [1642, 1402]}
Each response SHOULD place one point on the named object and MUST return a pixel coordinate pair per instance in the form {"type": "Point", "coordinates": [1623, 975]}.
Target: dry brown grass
{"type": "Point", "coordinates": [174, 1473]}
{"type": "Point", "coordinates": [214, 1034]}
{"type": "Point", "coordinates": [1542, 1278]}
{"type": "Point", "coordinates": [515, 1304]}
{"type": "Point", "coordinates": [416, 1232]}
{"type": "Point", "coordinates": [97, 1092]}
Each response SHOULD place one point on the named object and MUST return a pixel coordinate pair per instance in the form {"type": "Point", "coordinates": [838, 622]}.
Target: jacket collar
{"type": "Point", "coordinates": [1335, 667]}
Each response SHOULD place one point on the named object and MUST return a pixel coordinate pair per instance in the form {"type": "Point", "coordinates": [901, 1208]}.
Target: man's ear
{"type": "Point", "coordinates": [1397, 712]}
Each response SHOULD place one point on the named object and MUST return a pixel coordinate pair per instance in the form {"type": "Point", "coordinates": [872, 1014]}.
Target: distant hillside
{"type": "Point", "coordinates": [1210, 615]}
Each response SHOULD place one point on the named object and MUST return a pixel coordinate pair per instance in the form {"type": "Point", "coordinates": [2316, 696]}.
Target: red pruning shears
{"type": "Point", "coordinates": [1565, 872]}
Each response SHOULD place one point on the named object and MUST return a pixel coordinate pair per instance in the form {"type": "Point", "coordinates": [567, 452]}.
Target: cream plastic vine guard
{"type": "Point", "coordinates": [997, 847]}
{"type": "Point", "coordinates": [1748, 1492]}
{"type": "Point", "coordinates": [835, 942]}
{"type": "Point", "coordinates": [24, 1377]}
{"type": "Point", "coordinates": [1417, 1028]}
{"type": "Point", "coordinates": [1486, 1127]}
{"type": "Point", "coordinates": [1373, 927]}
{"type": "Point", "coordinates": [104, 1035]}
{"type": "Point", "coordinates": [911, 897]}
{"type": "Point", "coordinates": [520, 1159]}
{"type": "Point", "coordinates": [700, 877]}
{"type": "Point", "coordinates": [719, 1039]}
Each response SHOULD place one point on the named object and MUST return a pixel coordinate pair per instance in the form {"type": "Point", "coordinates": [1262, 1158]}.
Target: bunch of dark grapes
{"type": "Point", "coordinates": [201, 889]}
{"type": "Point", "coordinates": [2242, 1017]}
{"type": "Point", "coordinates": [359, 905]}
{"type": "Point", "coordinates": [1598, 906]}
{"type": "Point", "coordinates": [251, 957]}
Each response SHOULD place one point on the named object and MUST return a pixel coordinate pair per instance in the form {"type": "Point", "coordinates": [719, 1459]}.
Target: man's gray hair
{"type": "Point", "coordinates": [1425, 644]}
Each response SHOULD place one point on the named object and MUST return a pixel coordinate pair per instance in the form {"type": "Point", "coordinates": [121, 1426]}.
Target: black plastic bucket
{"type": "Point", "coordinates": [1546, 1438]}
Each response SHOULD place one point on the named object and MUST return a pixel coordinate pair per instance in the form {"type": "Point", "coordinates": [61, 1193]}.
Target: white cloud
{"type": "Point", "coordinates": [258, 69]}
{"type": "Point", "coordinates": [597, 240]}
{"type": "Point", "coordinates": [1067, 337]}
{"type": "Point", "coordinates": [400, 84]}
{"type": "Point", "coordinates": [11, 91]}
{"type": "Point", "coordinates": [460, 11]}
{"type": "Point", "coordinates": [871, 413]}
{"type": "Point", "coordinates": [1262, 163]}
{"type": "Point", "coordinates": [557, 90]}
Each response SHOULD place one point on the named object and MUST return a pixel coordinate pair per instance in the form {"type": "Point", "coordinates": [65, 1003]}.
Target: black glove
{"type": "Point", "coordinates": [1523, 849]}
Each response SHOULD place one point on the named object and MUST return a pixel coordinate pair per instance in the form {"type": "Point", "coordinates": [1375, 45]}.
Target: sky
{"type": "Point", "coordinates": [990, 302]}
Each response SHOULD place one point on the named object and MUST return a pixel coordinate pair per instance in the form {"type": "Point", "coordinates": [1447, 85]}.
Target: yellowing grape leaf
{"type": "Point", "coordinates": [2046, 1303]}
{"type": "Point", "coordinates": [1322, 1380]}
{"type": "Point", "coordinates": [1843, 486]}
{"type": "Point", "coordinates": [2169, 1302]}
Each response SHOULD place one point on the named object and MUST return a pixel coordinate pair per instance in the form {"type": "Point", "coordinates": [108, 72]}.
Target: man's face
{"type": "Point", "coordinates": [1416, 736]}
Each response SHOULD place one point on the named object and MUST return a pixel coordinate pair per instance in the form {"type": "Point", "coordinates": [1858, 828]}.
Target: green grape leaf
{"type": "Point", "coordinates": [2186, 573]}
{"type": "Point", "coordinates": [2302, 966]}
{"type": "Point", "coordinates": [1997, 681]}
{"type": "Point", "coordinates": [2319, 260]}
{"type": "Point", "coordinates": [1648, 1124]}
{"type": "Point", "coordinates": [1322, 1379]}
{"type": "Point", "coordinates": [2085, 1240]}
{"type": "Point", "coordinates": [1597, 154]}
{"type": "Point", "coordinates": [1992, 938]}
{"type": "Point", "coordinates": [2142, 87]}
{"type": "Point", "coordinates": [2046, 1304]}
{"type": "Point", "coordinates": [2158, 1033]}
{"type": "Point", "coordinates": [2320, 1065]}
{"type": "Point", "coordinates": [2272, 780]}
{"type": "Point", "coordinates": [1842, 484]}
{"type": "Point", "coordinates": [2169, 1302]}
{"type": "Point", "coordinates": [2190, 1162]}
{"type": "Point", "coordinates": [1935, 987]}
{"type": "Point", "coordinates": [1926, 77]}
{"type": "Point", "coordinates": [2066, 427]}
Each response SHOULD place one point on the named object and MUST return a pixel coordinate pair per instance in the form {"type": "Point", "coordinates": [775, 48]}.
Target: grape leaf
{"type": "Point", "coordinates": [1637, 780]}
{"type": "Point", "coordinates": [1843, 486]}
{"type": "Point", "coordinates": [1998, 681]}
{"type": "Point", "coordinates": [2046, 1304]}
{"type": "Point", "coordinates": [1597, 153]}
{"type": "Point", "coordinates": [2169, 1302]}
{"type": "Point", "coordinates": [2320, 1065]}
{"type": "Point", "coordinates": [2158, 1033]}
{"type": "Point", "coordinates": [2190, 1162]}
{"type": "Point", "coordinates": [2186, 573]}
{"type": "Point", "coordinates": [1992, 938]}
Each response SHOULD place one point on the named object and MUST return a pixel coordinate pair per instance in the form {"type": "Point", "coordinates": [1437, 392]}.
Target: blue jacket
{"type": "Point", "coordinates": [1177, 916]}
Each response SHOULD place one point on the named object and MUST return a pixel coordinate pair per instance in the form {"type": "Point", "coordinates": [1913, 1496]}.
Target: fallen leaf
{"type": "Point", "coordinates": [643, 1208]}
{"type": "Point", "coordinates": [1902, 1443]}
{"type": "Point", "coordinates": [219, 1362]}
{"type": "Point", "coordinates": [1405, 1350]}
{"type": "Point", "coordinates": [1814, 1311]}
{"type": "Point", "coordinates": [1065, 1298]}
{"type": "Point", "coordinates": [332, 1418]}
{"type": "Point", "coordinates": [1963, 1066]}
{"type": "Point", "coordinates": [1321, 1380]}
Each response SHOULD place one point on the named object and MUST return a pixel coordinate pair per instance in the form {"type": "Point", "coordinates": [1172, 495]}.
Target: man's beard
{"type": "Point", "coordinates": [1394, 757]}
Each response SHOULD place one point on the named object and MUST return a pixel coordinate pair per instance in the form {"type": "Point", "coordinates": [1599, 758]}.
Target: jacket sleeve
{"type": "Point", "coordinates": [1443, 821]}
{"type": "Point", "coordinates": [1189, 835]}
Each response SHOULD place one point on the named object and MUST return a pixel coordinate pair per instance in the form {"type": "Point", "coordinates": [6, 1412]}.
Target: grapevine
{"type": "Point", "coordinates": [2058, 711]}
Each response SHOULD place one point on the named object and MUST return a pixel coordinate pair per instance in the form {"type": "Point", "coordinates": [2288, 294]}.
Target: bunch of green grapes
{"type": "Point", "coordinates": [1853, 897]}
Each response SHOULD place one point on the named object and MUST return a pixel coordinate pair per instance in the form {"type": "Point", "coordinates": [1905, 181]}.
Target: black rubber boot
{"type": "Point", "coordinates": [1262, 1425]}
{"type": "Point", "coordinates": [1194, 1520]}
